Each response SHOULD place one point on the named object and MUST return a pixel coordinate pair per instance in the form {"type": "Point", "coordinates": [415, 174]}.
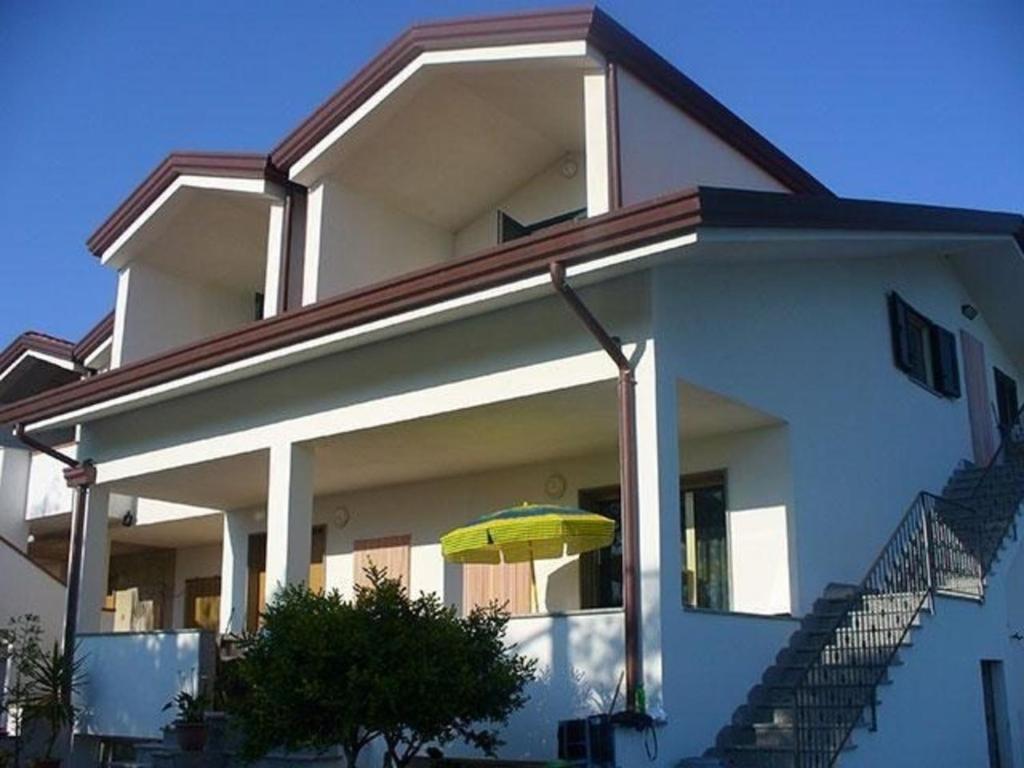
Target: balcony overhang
{"type": "Point", "coordinates": [728, 224]}
{"type": "Point", "coordinates": [173, 188]}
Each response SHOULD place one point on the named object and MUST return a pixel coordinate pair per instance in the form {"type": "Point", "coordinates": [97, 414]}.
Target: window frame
{"type": "Point", "coordinates": [924, 350]}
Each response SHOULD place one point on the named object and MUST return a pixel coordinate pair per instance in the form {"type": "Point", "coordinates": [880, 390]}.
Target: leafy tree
{"type": "Point", "coordinates": [323, 671]}
{"type": "Point", "coordinates": [432, 676]}
{"type": "Point", "coordinates": [295, 686]}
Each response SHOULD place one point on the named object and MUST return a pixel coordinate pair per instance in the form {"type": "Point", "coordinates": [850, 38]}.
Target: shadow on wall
{"type": "Point", "coordinates": [130, 676]}
{"type": "Point", "coordinates": [580, 658]}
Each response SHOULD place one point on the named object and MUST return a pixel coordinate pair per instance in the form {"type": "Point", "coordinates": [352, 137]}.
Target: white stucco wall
{"type": "Point", "coordinates": [809, 342]}
{"type": "Point", "coordinates": [48, 492]}
{"type": "Point", "coordinates": [27, 588]}
{"type": "Point", "coordinates": [130, 676]}
{"type": "Point", "coordinates": [758, 497]}
{"type": "Point", "coordinates": [936, 694]}
{"type": "Point", "coordinates": [354, 240]}
{"type": "Point", "coordinates": [662, 149]}
{"type": "Point", "coordinates": [14, 485]}
{"type": "Point", "coordinates": [547, 194]}
{"type": "Point", "coordinates": [157, 311]}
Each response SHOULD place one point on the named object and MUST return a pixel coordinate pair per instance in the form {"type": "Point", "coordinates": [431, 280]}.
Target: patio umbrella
{"type": "Point", "coordinates": [527, 533]}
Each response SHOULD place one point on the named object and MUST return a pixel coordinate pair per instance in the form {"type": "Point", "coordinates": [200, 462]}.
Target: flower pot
{"type": "Point", "coordinates": [191, 736]}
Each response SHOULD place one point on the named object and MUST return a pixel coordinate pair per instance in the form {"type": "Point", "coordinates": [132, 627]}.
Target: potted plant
{"type": "Point", "coordinates": [52, 681]}
{"type": "Point", "coordinates": [190, 723]}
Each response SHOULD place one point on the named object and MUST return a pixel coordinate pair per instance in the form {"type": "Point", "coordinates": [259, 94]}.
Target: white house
{"type": "Point", "coordinates": [342, 349]}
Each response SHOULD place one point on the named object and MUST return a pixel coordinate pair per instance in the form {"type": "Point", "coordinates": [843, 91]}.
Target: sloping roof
{"type": "Point", "coordinates": [233, 164]}
{"type": "Point", "coordinates": [33, 341]}
{"type": "Point", "coordinates": [587, 23]}
{"type": "Point", "coordinates": [670, 216]}
{"type": "Point", "coordinates": [94, 337]}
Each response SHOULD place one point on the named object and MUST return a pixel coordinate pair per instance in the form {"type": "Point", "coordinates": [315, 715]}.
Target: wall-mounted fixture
{"type": "Point", "coordinates": [969, 311]}
{"type": "Point", "coordinates": [570, 167]}
{"type": "Point", "coordinates": [128, 518]}
{"type": "Point", "coordinates": [555, 486]}
{"type": "Point", "coordinates": [341, 517]}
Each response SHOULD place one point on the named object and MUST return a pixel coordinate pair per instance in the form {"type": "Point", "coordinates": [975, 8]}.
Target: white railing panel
{"type": "Point", "coordinates": [129, 676]}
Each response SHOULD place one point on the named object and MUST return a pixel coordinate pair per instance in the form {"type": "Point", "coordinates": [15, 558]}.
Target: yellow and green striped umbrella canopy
{"type": "Point", "coordinates": [528, 532]}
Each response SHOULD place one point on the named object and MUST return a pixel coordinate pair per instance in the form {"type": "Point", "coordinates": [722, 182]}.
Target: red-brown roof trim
{"type": "Point", "coordinates": [590, 24]}
{"type": "Point", "coordinates": [568, 243]}
{"type": "Point", "coordinates": [94, 337]}
{"type": "Point", "coordinates": [33, 341]}
{"type": "Point", "coordinates": [233, 164]}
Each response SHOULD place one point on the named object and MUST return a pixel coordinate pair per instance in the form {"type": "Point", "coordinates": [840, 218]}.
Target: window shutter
{"type": "Point", "coordinates": [507, 584]}
{"type": "Point", "coordinates": [900, 332]}
{"type": "Point", "coordinates": [388, 553]}
{"type": "Point", "coordinates": [947, 369]}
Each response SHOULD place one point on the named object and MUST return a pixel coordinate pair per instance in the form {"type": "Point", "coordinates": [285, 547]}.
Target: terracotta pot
{"type": "Point", "coordinates": [191, 736]}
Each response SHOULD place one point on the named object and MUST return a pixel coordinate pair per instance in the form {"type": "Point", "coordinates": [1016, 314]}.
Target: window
{"type": "Point", "coordinates": [202, 603]}
{"type": "Point", "coordinates": [388, 553]}
{"type": "Point", "coordinates": [1006, 400]}
{"type": "Point", "coordinates": [705, 546]}
{"type": "Point", "coordinates": [507, 584]}
{"type": "Point", "coordinates": [703, 519]}
{"type": "Point", "coordinates": [256, 592]}
{"type": "Point", "coordinates": [510, 229]}
{"type": "Point", "coordinates": [923, 350]}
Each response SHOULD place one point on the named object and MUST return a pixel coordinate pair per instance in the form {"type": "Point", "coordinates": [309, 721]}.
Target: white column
{"type": "Point", "coordinates": [314, 235]}
{"type": "Point", "coordinates": [289, 515]}
{"type": "Point", "coordinates": [95, 559]}
{"type": "Point", "coordinates": [234, 571]}
{"type": "Point", "coordinates": [275, 250]}
{"type": "Point", "coordinates": [595, 117]}
{"type": "Point", "coordinates": [658, 479]}
{"type": "Point", "coordinates": [15, 466]}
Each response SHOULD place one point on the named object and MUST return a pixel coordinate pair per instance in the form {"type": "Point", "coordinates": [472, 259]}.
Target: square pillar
{"type": "Point", "coordinates": [92, 588]}
{"type": "Point", "coordinates": [289, 515]}
{"type": "Point", "coordinates": [275, 269]}
{"type": "Point", "coordinates": [234, 571]}
{"type": "Point", "coordinates": [661, 599]}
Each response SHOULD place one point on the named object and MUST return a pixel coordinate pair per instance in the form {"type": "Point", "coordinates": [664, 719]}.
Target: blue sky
{"type": "Point", "coordinates": [911, 100]}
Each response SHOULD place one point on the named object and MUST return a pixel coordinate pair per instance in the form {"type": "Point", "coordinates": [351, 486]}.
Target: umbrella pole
{"type": "Point", "coordinates": [534, 602]}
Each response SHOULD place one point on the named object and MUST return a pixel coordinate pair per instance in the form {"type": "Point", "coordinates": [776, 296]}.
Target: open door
{"type": "Point", "coordinates": [978, 402]}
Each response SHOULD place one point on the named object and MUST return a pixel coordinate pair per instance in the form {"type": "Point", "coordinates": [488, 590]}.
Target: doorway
{"type": "Point", "coordinates": [976, 381]}
{"type": "Point", "coordinates": [704, 543]}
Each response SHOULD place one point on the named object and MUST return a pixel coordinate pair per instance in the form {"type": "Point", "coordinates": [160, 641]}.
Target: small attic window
{"type": "Point", "coordinates": [923, 350]}
{"type": "Point", "coordinates": [510, 229]}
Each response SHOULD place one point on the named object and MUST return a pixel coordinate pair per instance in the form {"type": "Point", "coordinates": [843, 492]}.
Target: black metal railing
{"type": "Point", "coordinates": [940, 546]}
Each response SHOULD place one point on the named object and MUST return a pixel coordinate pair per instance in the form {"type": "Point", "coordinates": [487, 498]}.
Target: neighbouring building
{"type": "Point", "coordinates": [333, 353]}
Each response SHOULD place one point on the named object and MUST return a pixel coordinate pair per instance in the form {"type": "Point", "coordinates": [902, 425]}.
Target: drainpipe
{"type": "Point", "coordinates": [79, 475]}
{"type": "Point", "coordinates": [627, 484]}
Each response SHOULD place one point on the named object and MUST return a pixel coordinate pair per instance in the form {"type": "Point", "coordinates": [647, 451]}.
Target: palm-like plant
{"type": "Point", "coordinates": [53, 679]}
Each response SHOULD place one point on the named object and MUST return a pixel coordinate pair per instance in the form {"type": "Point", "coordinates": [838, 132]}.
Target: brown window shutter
{"type": "Point", "coordinates": [507, 585]}
{"type": "Point", "coordinates": [900, 331]}
{"type": "Point", "coordinates": [947, 368]}
{"type": "Point", "coordinates": [390, 553]}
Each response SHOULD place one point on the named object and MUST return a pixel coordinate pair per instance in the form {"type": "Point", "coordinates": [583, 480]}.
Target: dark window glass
{"type": "Point", "coordinates": [923, 350]}
{"type": "Point", "coordinates": [1006, 399]}
{"type": "Point", "coordinates": [704, 546]}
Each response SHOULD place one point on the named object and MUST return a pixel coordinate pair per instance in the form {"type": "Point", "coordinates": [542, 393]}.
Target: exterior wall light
{"type": "Point", "coordinates": [969, 311]}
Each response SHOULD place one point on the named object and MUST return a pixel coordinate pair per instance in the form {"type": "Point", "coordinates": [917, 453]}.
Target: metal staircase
{"type": "Point", "coordinates": [824, 683]}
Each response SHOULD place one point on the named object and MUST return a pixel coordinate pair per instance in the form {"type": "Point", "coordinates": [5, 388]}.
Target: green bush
{"type": "Point", "coordinates": [323, 671]}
